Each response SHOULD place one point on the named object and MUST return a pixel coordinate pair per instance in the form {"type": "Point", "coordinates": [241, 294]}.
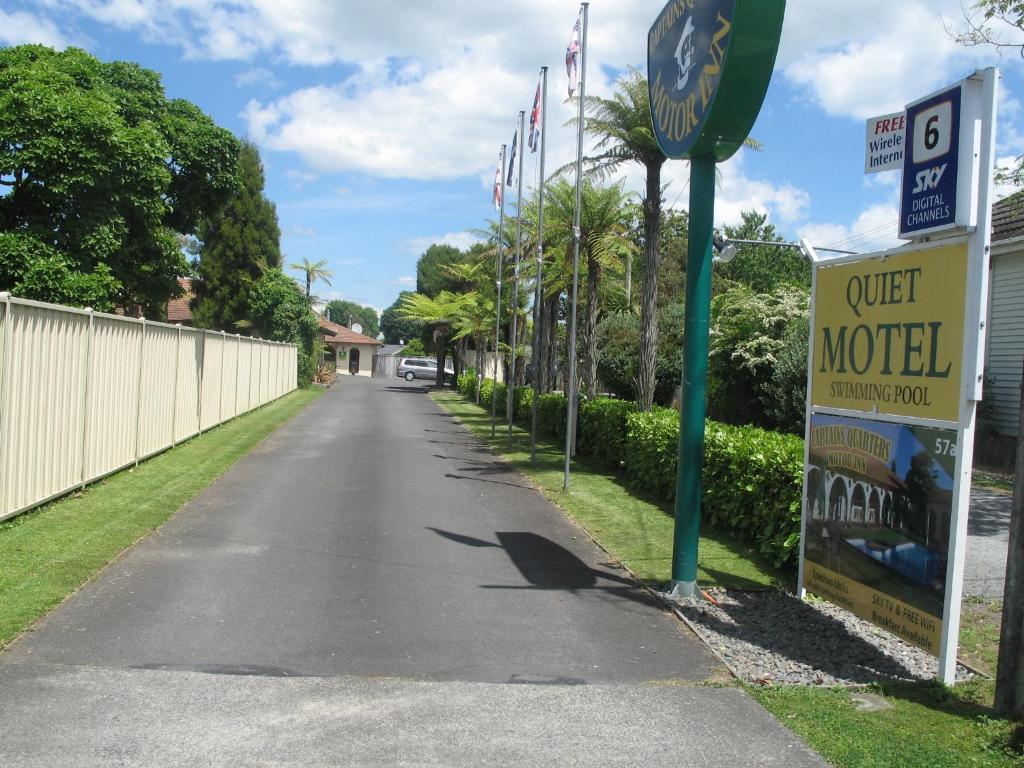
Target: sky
{"type": "Point", "coordinates": [379, 123]}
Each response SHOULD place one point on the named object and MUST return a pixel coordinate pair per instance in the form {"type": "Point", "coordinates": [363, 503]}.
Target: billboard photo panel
{"type": "Point", "coordinates": [879, 499]}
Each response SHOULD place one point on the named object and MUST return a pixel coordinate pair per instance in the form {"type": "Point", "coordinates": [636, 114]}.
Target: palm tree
{"type": "Point", "coordinates": [314, 271]}
{"type": "Point", "coordinates": [625, 134]}
{"type": "Point", "coordinates": [603, 244]}
{"type": "Point", "coordinates": [439, 313]}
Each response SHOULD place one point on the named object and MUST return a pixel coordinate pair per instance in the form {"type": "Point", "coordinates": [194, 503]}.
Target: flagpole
{"type": "Point", "coordinates": [510, 385]}
{"type": "Point", "coordinates": [498, 267]}
{"type": "Point", "coordinates": [570, 410]}
{"type": "Point", "coordinates": [539, 292]}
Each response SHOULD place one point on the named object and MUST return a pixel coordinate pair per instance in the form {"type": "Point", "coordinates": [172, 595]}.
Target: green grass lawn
{"type": "Point", "coordinates": [635, 530]}
{"type": "Point", "coordinates": [50, 552]}
{"type": "Point", "coordinates": [928, 726]}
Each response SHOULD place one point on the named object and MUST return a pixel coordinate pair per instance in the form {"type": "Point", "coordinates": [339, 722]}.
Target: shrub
{"type": "Point", "coordinates": [651, 450]}
{"type": "Point", "coordinates": [752, 487]}
{"type": "Point", "coordinates": [751, 480]}
{"type": "Point", "coordinates": [551, 415]}
{"type": "Point", "coordinates": [522, 404]}
{"type": "Point", "coordinates": [602, 429]}
{"type": "Point", "coordinates": [466, 383]}
{"type": "Point", "coordinates": [786, 391]}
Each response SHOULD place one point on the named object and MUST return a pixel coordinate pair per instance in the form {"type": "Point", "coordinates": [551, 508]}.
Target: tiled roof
{"type": "Point", "coordinates": [178, 310]}
{"type": "Point", "coordinates": [1008, 217]}
{"type": "Point", "coordinates": [339, 334]}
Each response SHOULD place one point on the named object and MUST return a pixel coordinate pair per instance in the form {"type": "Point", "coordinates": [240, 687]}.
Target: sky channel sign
{"type": "Point", "coordinates": [708, 67]}
{"type": "Point", "coordinates": [931, 164]}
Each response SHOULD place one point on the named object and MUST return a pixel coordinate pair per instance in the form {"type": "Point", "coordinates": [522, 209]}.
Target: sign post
{"type": "Point", "coordinates": [708, 67]}
{"type": "Point", "coordinates": [894, 376]}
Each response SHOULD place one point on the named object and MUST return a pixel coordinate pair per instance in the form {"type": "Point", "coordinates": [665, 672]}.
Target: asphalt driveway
{"type": "Point", "coordinates": [371, 587]}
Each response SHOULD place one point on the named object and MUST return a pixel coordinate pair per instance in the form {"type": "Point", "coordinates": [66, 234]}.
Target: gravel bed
{"type": "Point", "coordinates": [772, 638]}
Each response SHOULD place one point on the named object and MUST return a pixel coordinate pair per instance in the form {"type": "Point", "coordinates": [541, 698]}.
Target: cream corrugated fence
{"type": "Point", "coordinates": [84, 394]}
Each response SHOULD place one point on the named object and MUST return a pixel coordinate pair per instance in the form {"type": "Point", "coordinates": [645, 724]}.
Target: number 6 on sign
{"type": "Point", "coordinates": [932, 131]}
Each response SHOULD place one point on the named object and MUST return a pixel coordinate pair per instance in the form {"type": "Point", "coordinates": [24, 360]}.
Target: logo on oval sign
{"type": "Point", "coordinates": [687, 47]}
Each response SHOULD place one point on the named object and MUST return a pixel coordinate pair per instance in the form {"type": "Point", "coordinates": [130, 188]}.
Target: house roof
{"type": "Point", "coordinates": [339, 334]}
{"type": "Point", "coordinates": [1008, 217]}
{"type": "Point", "coordinates": [178, 310]}
{"type": "Point", "coordinates": [392, 349]}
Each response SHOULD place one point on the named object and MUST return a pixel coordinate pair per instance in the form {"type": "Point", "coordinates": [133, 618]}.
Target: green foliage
{"type": "Point", "coordinates": [751, 481]}
{"type": "Point", "coordinates": [281, 312]}
{"type": "Point", "coordinates": [763, 268]}
{"type": "Point", "coordinates": [489, 387]}
{"type": "Point", "coordinates": [416, 347]}
{"type": "Point", "coordinates": [786, 390]}
{"type": "Point", "coordinates": [752, 484]}
{"type": "Point", "coordinates": [747, 331]}
{"type": "Point", "coordinates": [99, 165]}
{"type": "Point", "coordinates": [32, 270]}
{"type": "Point", "coordinates": [465, 383]}
{"type": "Point", "coordinates": [651, 451]}
{"type": "Point", "coordinates": [522, 404]}
{"type": "Point", "coordinates": [311, 272]}
{"type": "Point", "coordinates": [618, 345]}
{"type": "Point", "coordinates": [397, 328]}
{"type": "Point", "coordinates": [601, 430]}
{"type": "Point", "coordinates": [239, 243]}
{"type": "Point", "coordinates": [551, 413]}
{"type": "Point", "coordinates": [431, 275]}
{"type": "Point", "coordinates": [340, 312]}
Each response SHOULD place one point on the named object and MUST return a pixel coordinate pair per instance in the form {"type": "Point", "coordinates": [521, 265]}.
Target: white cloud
{"type": "Point", "coordinates": [258, 76]}
{"type": "Point", "coordinates": [460, 240]}
{"type": "Point", "coordinates": [873, 230]}
{"type": "Point", "coordinates": [873, 56]}
{"type": "Point", "coordinates": [406, 281]}
{"type": "Point", "coordinates": [298, 230]}
{"type": "Point", "coordinates": [18, 27]}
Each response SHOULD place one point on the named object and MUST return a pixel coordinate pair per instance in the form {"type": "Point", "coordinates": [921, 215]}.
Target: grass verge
{"type": "Point", "coordinates": [50, 552]}
{"type": "Point", "coordinates": [928, 725]}
{"type": "Point", "coordinates": [636, 531]}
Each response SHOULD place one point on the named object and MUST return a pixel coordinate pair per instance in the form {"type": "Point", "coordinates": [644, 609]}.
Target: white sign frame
{"type": "Point", "coordinates": [977, 131]}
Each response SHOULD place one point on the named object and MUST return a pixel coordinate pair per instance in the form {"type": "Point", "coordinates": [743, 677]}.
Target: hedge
{"type": "Point", "coordinates": [601, 430]}
{"type": "Point", "coordinates": [752, 477]}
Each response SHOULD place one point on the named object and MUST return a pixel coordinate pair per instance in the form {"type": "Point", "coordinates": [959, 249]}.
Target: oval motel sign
{"type": "Point", "coordinates": [708, 67]}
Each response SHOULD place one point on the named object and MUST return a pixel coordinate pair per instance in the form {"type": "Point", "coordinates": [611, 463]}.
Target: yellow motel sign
{"type": "Point", "coordinates": [888, 334]}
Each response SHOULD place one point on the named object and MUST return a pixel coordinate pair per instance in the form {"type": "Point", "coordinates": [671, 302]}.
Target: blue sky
{"type": "Point", "coordinates": [379, 123]}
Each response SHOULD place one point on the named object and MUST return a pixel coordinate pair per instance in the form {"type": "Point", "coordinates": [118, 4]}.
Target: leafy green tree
{"type": "Point", "coordinates": [763, 267]}
{"type": "Point", "coordinates": [431, 276]}
{"type": "Point", "coordinates": [618, 343]}
{"type": "Point", "coordinates": [97, 164]}
{"type": "Point", "coordinates": [396, 327]}
{"type": "Point", "coordinates": [33, 270]}
{"type": "Point", "coordinates": [603, 246]}
{"type": "Point", "coordinates": [786, 390]}
{"type": "Point", "coordinates": [747, 331]}
{"type": "Point", "coordinates": [625, 134]}
{"type": "Point", "coordinates": [340, 311]}
{"type": "Point", "coordinates": [280, 312]}
{"type": "Point", "coordinates": [239, 243]}
{"type": "Point", "coordinates": [312, 271]}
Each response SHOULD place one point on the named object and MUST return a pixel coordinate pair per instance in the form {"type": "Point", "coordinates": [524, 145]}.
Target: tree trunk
{"type": "Point", "coordinates": [1010, 669]}
{"type": "Point", "coordinates": [589, 329]}
{"type": "Point", "coordinates": [480, 346]}
{"type": "Point", "coordinates": [440, 347]}
{"type": "Point", "coordinates": [551, 347]}
{"type": "Point", "coordinates": [649, 307]}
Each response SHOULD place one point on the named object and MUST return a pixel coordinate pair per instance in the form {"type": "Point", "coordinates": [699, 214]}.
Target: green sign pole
{"type": "Point", "coordinates": [708, 67]}
{"type": "Point", "coordinates": [695, 375]}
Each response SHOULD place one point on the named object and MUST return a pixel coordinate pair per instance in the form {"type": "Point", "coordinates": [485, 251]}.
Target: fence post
{"type": "Point", "coordinates": [5, 366]}
{"type": "Point", "coordinates": [220, 393]}
{"type": "Point", "coordinates": [85, 393]}
{"type": "Point", "coordinates": [238, 364]}
{"type": "Point", "coordinates": [174, 399]}
{"type": "Point", "coordinates": [138, 391]}
{"type": "Point", "coordinates": [200, 370]}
